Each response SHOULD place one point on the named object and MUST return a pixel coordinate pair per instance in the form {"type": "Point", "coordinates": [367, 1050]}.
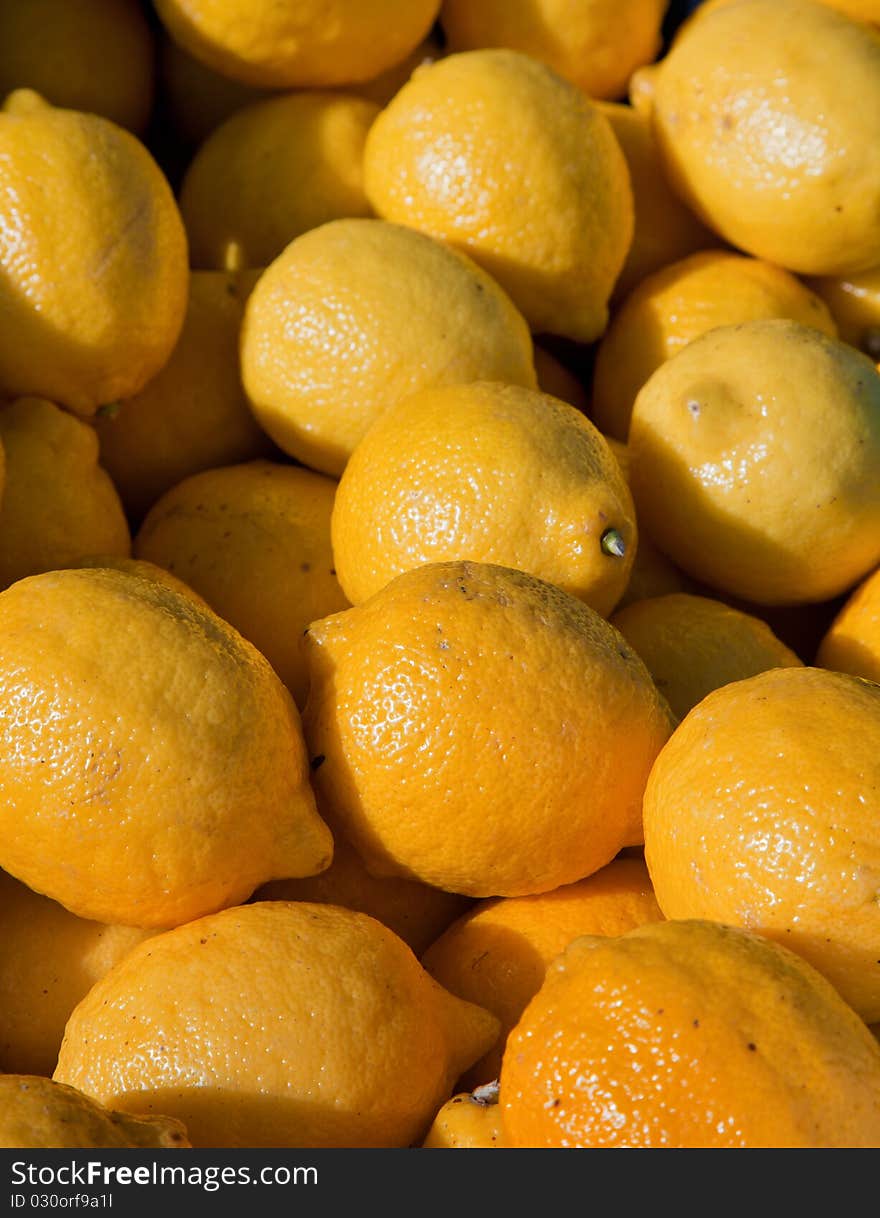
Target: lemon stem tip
{"type": "Point", "coordinates": [612, 543]}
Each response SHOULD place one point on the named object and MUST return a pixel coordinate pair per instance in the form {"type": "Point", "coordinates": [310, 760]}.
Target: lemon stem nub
{"type": "Point", "coordinates": [487, 1094]}
{"type": "Point", "coordinates": [613, 543]}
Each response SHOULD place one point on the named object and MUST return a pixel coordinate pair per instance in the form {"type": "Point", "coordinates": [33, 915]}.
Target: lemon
{"type": "Point", "coordinates": [298, 43]}
{"type": "Point", "coordinates": [755, 452]}
{"type": "Point", "coordinates": [355, 315]}
{"type": "Point", "coordinates": [280, 1023]}
{"type": "Point", "coordinates": [489, 472]}
{"type": "Point", "coordinates": [94, 258]}
{"type": "Point", "coordinates": [172, 748]}
{"type": "Point", "coordinates": [281, 166]}
{"type": "Point", "coordinates": [481, 730]}
{"type": "Point", "coordinates": [494, 152]}
{"type": "Point", "coordinates": [596, 44]}
{"type": "Point", "coordinates": [765, 113]}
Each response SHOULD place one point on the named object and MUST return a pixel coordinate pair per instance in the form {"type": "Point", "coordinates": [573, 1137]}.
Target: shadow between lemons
{"type": "Point", "coordinates": [219, 1117]}
{"type": "Point", "coordinates": [503, 973]}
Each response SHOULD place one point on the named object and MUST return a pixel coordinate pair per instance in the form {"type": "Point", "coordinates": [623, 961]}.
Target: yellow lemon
{"type": "Point", "coordinates": [497, 154]}
{"type": "Point", "coordinates": [171, 746]}
{"type": "Point", "coordinates": [193, 415]}
{"type": "Point", "coordinates": [254, 541]}
{"type": "Point", "coordinates": [489, 472]}
{"type": "Point", "coordinates": [471, 1120]}
{"type": "Point", "coordinates": [861, 10]}
{"type": "Point", "coordinates": [854, 302]}
{"type": "Point", "coordinates": [755, 452]}
{"type": "Point", "coordinates": [281, 167]}
{"type": "Point", "coordinates": [58, 502]}
{"type": "Point", "coordinates": [355, 315]}
{"type": "Point", "coordinates": [852, 641]}
{"type": "Point", "coordinates": [299, 43]}
{"type": "Point", "coordinates": [481, 730]}
{"type": "Point", "coordinates": [694, 644]}
{"type": "Point", "coordinates": [761, 811]}
{"type": "Point", "coordinates": [282, 1023]}
{"type": "Point", "coordinates": [93, 260]}
{"type": "Point", "coordinates": [764, 111]}
{"type": "Point", "coordinates": [596, 44]}
{"type": "Point", "coordinates": [498, 952]}
{"type": "Point", "coordinates": [37, 1113]}
{"type": "Point", "coordinates": [666, 229]}
{"type": "Point", "coordinates": [676, 304]}
{"type": "Point", "coordinates": [49, 960]}
{"type": "Point", "coordinates": [688, 1034]}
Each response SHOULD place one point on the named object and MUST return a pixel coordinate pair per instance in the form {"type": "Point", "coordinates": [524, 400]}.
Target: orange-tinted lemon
{"type": "Point", "coordinates": [689, 1034]}
{"type": "Point", "coordinates": [482, 730]}
{"type": "Point", "coordinates": [489, 472]}
{"type": "Point", "coordinates": [761, 811]}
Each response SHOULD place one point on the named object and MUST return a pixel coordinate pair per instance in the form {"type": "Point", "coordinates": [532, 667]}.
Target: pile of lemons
{"type": "Point", "coordinates": [439, 573]}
